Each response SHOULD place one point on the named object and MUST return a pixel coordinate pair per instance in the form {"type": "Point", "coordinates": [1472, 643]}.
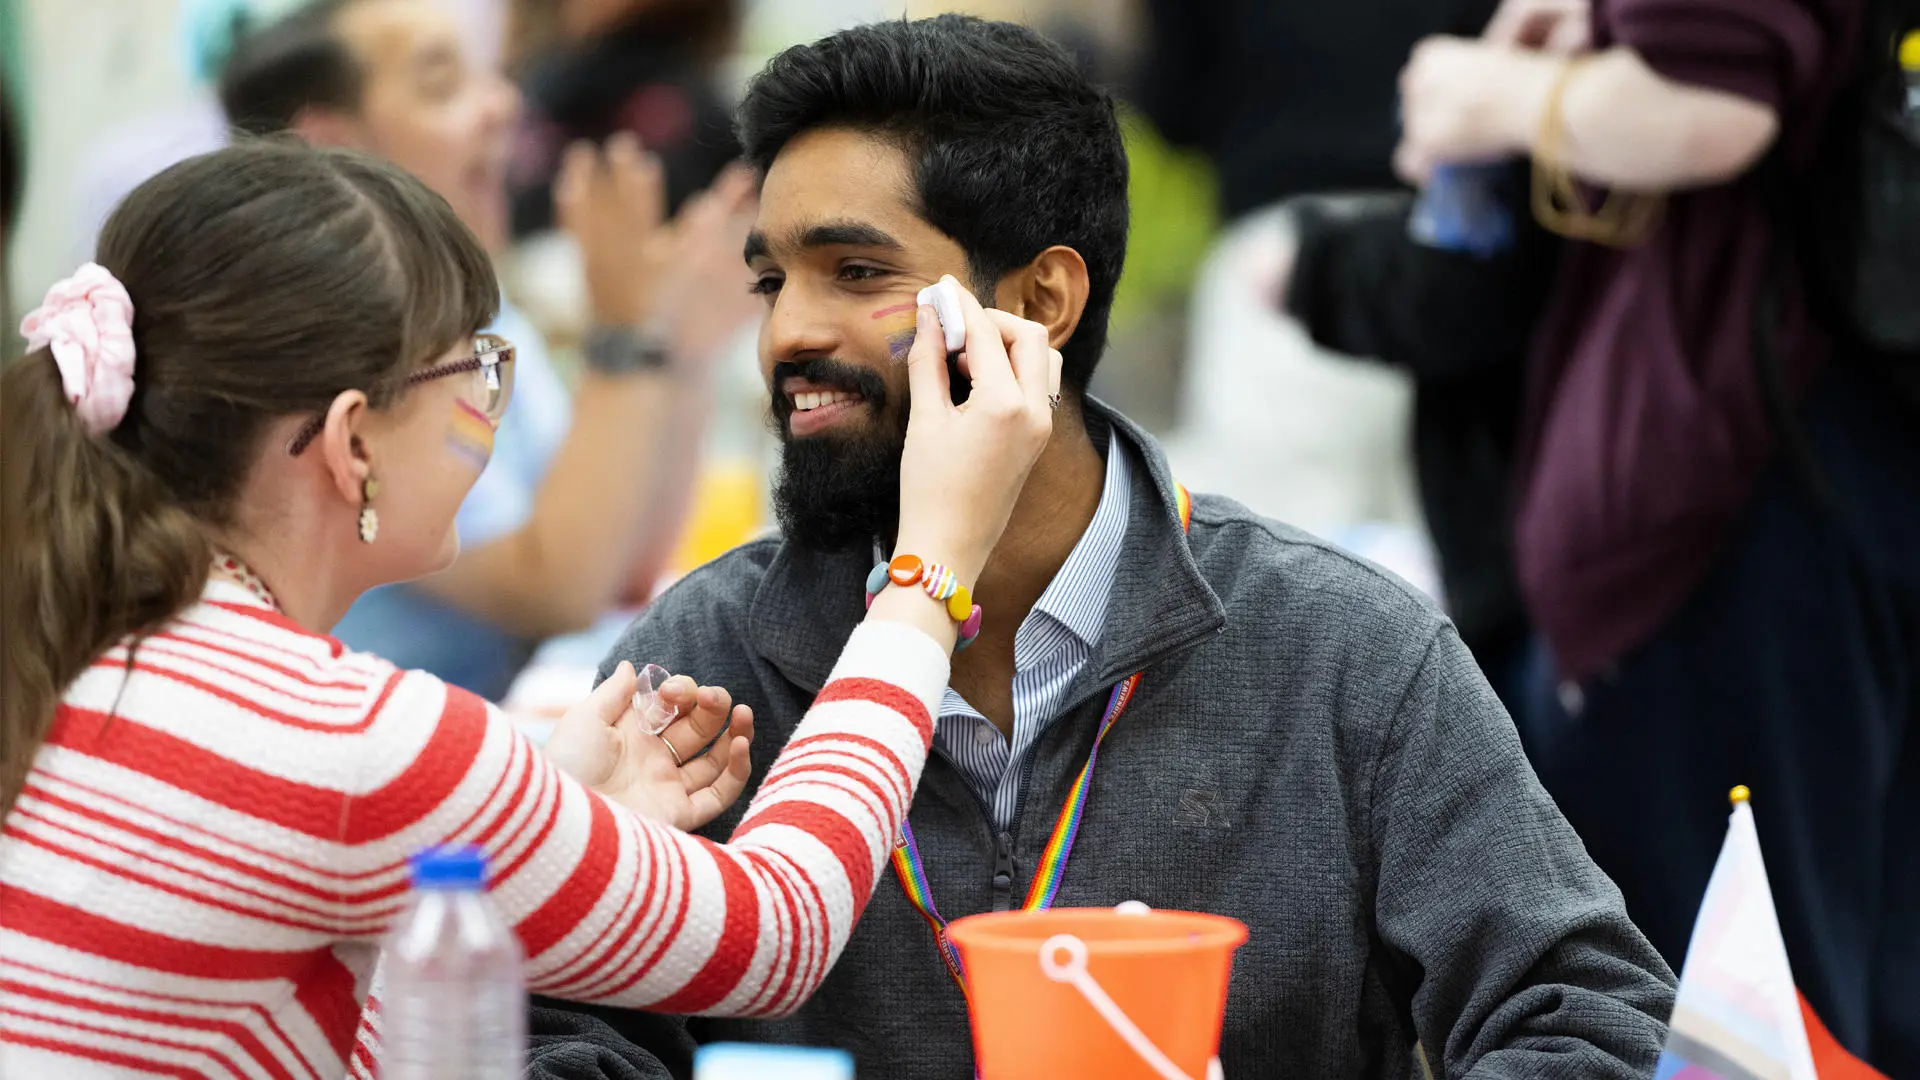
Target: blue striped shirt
{"type": "Point", "coordinates": [1051, 646]}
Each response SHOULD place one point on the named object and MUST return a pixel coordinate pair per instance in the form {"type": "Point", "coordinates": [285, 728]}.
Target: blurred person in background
{"type": "Point", "coordinates": [647, 67]}
{"type": "Point", "coordinates": [1288, 99]}
{"type": "Point", "coordinates": [1719, 495]}
{"type": "Point", "coordinates": [1461, 324]}
{"type": "Point", "coordinates": [581, 507]}
{"type": "Point", "coordinates": [119, 158]}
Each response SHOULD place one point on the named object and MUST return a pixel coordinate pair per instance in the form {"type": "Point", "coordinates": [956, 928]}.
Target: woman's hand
{"type": "Point", "coordinates": [964, 466]}
{"type": "Point", "coordinates": [613, 202]}
{"type": "Point", "coordinates": [1464, 101]}
{"type": "Point", "coordinates": [703, 298]}
{"type": "Point", "coordinates": [681, 278]}
{"type": "Point", "coordinates": [601, 743]}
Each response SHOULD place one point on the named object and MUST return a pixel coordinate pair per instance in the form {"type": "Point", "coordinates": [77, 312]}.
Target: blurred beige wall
{"type": "Point", "coordinates": [92, 64]}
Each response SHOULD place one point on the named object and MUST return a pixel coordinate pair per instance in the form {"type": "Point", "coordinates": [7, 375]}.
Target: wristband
{"type": "Point", "coordinates": [624, 350]}
{"type": "Point", "coordinates": [938, 582]}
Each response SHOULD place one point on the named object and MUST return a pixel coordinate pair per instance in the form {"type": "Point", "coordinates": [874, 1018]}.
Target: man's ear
{"type": "Point", "coordinates": [328, 127]}
{"type": "Point", "coordinates": [1051, 290]}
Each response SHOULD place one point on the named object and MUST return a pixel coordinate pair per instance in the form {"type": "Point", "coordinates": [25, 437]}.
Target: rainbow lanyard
{"type": "Point", "coordinates": [907, 865]}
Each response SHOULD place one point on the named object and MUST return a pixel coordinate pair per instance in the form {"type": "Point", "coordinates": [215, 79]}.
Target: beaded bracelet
{"type": "Point", "coordinates": [938, 582]}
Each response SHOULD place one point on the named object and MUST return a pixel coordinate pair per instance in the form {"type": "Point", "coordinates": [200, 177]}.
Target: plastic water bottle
{"type": "Point", "coordinates": [455, 999]}
{"type": "Point", "coordinates": [1461, 209]}
{"type": "Point", "coordinates": [742, 1061]}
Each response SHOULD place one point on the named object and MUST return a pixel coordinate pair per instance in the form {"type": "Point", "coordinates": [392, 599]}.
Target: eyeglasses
{"type": "Point", "coordinates": [492, 384]}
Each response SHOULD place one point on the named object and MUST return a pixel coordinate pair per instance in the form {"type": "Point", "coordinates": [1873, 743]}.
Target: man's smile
{"type": "Point", "coordinates": [815, 407]}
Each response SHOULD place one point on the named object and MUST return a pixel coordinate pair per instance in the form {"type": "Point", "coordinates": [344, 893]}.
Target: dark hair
{"type": "Point", "coordinates": [266, 279]}
{"type": "Point", "coordinates": [299, 62]}
{"type": "Point", "coordinates": [700, 30]}
{"type": "Point", "coordinates": [1013, 149]}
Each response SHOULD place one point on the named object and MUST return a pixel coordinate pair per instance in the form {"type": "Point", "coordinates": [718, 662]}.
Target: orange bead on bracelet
{"type": "Point", "coordinates": [904, 570]}
{"type": "Point", "coordinates": [938, 582]}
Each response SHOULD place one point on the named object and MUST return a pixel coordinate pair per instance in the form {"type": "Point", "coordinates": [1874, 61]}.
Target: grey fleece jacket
{"type": "Point", "coordinates": [1312, 751]}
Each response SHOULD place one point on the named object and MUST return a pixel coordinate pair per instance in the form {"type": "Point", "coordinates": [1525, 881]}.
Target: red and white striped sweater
{"type": "Point", "coordinates": [196, 877]}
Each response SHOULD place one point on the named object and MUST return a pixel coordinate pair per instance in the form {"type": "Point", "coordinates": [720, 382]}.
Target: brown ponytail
{"type": "Point", "coordinates": [266, 279]}
{"type": "Point", "coordinates": [93, 550]}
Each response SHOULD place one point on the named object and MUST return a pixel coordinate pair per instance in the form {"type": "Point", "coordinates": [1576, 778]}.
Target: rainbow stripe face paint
{"type": "Point", "coordinates": [470, 435]}
{"type": "Point", "coordinates": [899, 341]}
{"type": "Point", "coordinates": [900, 344]}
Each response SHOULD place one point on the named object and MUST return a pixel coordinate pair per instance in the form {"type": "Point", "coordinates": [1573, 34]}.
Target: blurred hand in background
{"type": "Point", "coordinates": [682, 277]}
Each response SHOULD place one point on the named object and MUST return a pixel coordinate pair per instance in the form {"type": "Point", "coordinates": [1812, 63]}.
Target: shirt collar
{"type": "Point", "coordinates": [1077, 596]}
{"type": "Point", "coordinates": [234, 582]}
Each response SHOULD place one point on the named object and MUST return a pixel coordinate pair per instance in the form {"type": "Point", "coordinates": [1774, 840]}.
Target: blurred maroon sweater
{"type": "Point", "coordinates": [1646, 429]}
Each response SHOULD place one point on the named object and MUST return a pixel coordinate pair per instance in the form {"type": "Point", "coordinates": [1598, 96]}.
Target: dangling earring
{"type": "Point", "coordinates": [369, 521]}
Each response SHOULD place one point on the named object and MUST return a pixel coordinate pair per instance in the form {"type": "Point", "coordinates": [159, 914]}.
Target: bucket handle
{"type": "Point", "coordinates": [1072, 969]}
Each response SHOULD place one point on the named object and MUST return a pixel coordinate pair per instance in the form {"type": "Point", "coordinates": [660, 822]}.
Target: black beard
{"type": "Point", "coordinates": [837, 491]}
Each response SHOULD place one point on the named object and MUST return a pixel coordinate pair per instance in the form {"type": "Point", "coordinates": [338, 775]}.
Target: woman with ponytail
{"type": "Point", "coordinates": [267, 396]}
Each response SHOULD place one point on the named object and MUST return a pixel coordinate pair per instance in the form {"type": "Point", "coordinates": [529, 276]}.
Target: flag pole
{"type": "Point", "coordinates": [1739, 795]}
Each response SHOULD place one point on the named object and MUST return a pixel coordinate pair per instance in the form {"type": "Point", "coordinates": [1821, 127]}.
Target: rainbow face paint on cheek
{"type": "Point", "coordinates": [470, 435]}
{"type": "Point", "coordinates": [900, 342]}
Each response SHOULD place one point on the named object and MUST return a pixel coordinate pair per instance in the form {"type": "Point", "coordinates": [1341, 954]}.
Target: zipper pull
{"type": "Point", "coordinates": [1003, 872]}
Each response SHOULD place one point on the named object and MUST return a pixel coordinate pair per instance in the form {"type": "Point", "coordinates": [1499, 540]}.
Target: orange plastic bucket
{"type": "Point", "coordinates": [1054, 993]}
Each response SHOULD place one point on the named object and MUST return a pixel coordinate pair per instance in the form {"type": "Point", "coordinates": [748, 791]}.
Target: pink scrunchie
{"type": "Point", "coordinates": [87, 319]}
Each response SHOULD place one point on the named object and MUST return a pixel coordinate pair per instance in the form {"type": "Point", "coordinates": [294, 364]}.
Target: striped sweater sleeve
{"type": "Point", "coordinates": [615, 909]}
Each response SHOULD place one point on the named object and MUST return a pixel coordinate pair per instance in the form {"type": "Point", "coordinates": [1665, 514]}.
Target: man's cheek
{"type": "Point", "coordinates": [899, 344]}
{"type": "Point", "coordinates": [764, 350]}
{"type": "Point", "coordinates": [898, 324]}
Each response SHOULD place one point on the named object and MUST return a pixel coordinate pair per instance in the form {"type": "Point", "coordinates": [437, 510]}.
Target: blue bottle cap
{"type": "Point", "coordinates": [1462, 209]}
{"type": "Point", "coordinates": [451, 868]}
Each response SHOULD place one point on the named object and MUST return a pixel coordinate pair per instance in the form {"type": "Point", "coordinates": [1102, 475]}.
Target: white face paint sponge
{"type": "Point", "coordinates": [944, 295]}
